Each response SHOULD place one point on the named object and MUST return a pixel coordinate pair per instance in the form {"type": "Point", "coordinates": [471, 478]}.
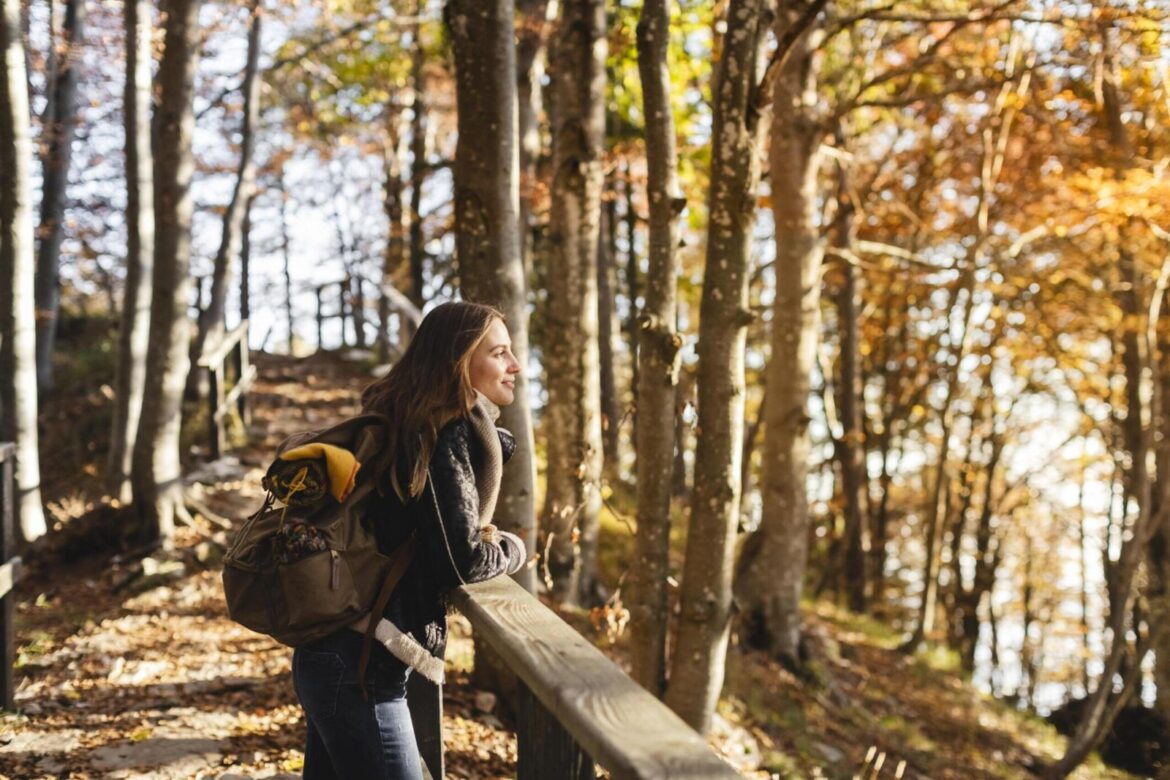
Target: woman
{"type": "Point", "coordinates": [443, 397]}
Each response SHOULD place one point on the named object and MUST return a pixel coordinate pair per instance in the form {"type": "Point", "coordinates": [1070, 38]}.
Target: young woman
{"type": "Point", "coordinates": [442, 483]}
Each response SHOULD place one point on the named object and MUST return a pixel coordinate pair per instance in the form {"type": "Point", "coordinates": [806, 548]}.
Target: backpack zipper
{"type": "Point", "coordinates": [335, 576]}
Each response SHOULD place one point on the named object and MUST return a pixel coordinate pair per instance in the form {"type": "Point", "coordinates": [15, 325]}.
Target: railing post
{"type": "Point", "coordinates": [215, 394]}
{"type": "Point", "coordinates": [7, 545]}
{"type": "Point", "coordinates": [243, 359]}
{"type": "Point", "coordinates": [320, 320]}
{"type": "Point", "coordinates": [544, 749]}
{"type": "Point", "coordinates": [425, 700]}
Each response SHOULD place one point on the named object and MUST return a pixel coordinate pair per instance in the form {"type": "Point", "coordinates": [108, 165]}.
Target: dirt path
{"type": "Point", "coordinates": [160, 683]}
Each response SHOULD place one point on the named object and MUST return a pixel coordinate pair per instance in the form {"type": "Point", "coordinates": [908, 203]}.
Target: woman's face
{"type": "Point", "coordinates": [493, 366]}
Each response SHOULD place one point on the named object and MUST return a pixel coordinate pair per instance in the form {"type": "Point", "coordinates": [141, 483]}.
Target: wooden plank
{"type": "Point", "coordinates": [425, 700]}
{"type": "Point", "coordinates": [544, 749]}
{"type": "Point", "coordinates": [216, 356]}
{"type": "Point", "coordinates": [9, 574]}
{"type": "Point", "coordinates": [623, 727]}
{"type": "Point", "coordinates": [7, 451]}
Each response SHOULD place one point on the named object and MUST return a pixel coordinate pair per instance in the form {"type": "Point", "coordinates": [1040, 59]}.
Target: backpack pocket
{"type": "Point", "coordinates": [318, 587]}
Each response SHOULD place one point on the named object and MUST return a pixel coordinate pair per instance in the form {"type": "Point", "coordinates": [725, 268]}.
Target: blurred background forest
{"type": "Point", "coordinates": [852, 303]}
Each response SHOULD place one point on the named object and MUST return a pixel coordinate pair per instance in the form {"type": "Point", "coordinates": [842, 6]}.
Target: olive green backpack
{"type": "Point", "coordinates": [307, 563]}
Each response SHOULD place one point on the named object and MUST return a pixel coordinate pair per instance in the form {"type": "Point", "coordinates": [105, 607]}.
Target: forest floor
{"type": "Point", "coordinates": [128, 665]}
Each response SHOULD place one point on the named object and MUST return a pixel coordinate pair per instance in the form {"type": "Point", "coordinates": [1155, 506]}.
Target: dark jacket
{"type": "Point", "coordinates": [452, 549]}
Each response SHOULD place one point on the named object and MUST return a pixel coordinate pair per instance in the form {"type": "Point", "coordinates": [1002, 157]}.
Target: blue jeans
{"type": "Point", "coordinates": [347, 736]}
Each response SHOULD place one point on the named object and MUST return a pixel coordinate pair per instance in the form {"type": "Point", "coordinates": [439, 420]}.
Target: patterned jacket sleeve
{"type": "Point", "coordinates": [457, 552]}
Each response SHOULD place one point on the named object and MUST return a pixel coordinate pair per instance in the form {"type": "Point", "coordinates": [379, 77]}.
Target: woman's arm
{"type": "Point", "coordinates": [457, 551]}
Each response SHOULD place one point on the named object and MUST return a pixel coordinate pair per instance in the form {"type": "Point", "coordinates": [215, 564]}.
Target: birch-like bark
{"type": "Point", "coordinates": [156, 476]}
{"type": "Point", "coordinates": [772, 575]}
{"type": "Point", "coordinates": [532, 29]}
{"type": "Point", "coordinates": [573, 415]}
{"type": "Point", "coordinates": [658, 356]}
{"type": "Point", "coordinates": [58, 142]}
{"type": "Point", "coordinates": [697, 671]}
{"type": "Point", "coordinates": [18, 374]}
{"type": "Point", "coordinates": [134, 331]}
{"type": "Point", "coordinates": [396, 259]}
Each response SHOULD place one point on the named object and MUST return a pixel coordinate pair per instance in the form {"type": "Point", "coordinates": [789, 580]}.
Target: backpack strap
{"type": "Point", "coordinates": [402, 558]}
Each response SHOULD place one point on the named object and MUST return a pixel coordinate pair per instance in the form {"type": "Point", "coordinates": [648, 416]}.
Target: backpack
{"type": "Point", "coordinates": [307, 564]}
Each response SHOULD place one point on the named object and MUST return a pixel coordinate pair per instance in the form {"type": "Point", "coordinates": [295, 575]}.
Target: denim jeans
{"type": "Point", "coordinates": [349, 737]}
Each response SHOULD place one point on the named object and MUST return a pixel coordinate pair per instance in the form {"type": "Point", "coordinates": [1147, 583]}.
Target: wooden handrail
{"type": "Point", "coordinates": [621, 726]}
{"type": "Point", "coordinates": [213, 358]}
{"type": "Point", "coordinates": [233, 345]}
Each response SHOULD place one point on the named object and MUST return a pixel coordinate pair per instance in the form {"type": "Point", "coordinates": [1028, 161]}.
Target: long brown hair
{"type": "Point", "coordinates": [428, 387]}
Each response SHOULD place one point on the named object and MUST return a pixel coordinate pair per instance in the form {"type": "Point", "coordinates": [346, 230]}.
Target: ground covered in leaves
{"type": "Point", "coordinates": [129, 667]}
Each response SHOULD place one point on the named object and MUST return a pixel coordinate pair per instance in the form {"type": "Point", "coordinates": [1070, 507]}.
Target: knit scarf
{"type": "Point", "coordinates": [489, 468]}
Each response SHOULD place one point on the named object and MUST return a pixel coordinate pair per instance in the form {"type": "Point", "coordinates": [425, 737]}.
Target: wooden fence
{"type": "Point", "coordinates": [233, 346]}
{"type": "Point", "coordinates": [575, 706]}
{"type": "Point", "coordinates": [9, 573]}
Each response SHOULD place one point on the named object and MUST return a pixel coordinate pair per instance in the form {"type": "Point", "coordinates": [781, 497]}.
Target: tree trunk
{"type": "Point", "coordinates": [59, 133]}
{"type": "Point", "coordinates": [531, 46]}
{"type": "Point", "coordinates": [854, 479]}
{"type": "Point", "coordinates": [156, 475]}
{"type": "Point", "coordinates": [286, 256]}
{"type": "Point", "coordinates": [697, 665]}
{"type": "Point", "coordinates": [772, 579]}
{"type": "Point", "coordinates": [246, 262]}
{"type": "Point", "coordinates": [212, 322]}
{"type": "Point", "coordinates": [487, 226]}
{"type": "Point", "coordinates": [658, 356]}
{"type": "Point", "coordinates": [396, 261]}
{"type": "Point", "coordinates": [130, 375]}
{"type": "Point", "coordinates": [573, 414]}
{"type": "Point", "coordinates": [18, 376]}
{"type": "Point", "coordinates": [607, 334]}
{"type": "Point", "coordinates": [418, 159]}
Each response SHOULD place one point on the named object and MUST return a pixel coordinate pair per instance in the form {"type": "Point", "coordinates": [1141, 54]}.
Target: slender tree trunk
{"type": "Point", "coordinates": [156, 475]}
{"type": "Point", "coordinates": [852, 446]}
{"type": "Point", "coordinates": [286, 254]}
{"type": "Point", "coordinates": [697, 665]}
{"type": "Point", "coordinates": [658, 356]}
{"type": "Point", "coordinates": [212, 323]}
{"type": "Point", "coordinates": [59, 133]}
{"type": "Point", "coordinates": [772, 580]}
{"type": "Point", "coordinates": [418, 160]}
{"type": "Point", "coordinates": [607, 334]}
{"type": "Point", "coordinates": [130, 376]}
{"type": "Point", "coordinates": [246, 262]}
{"type": "Point", "coordinates": [396, 261]}
{"type": "Point", "coordinates": [18, 377]}
{"type": "Point", "coordinates": [573, 414]}
{"type": "Point", "coordinates": [531, 46]}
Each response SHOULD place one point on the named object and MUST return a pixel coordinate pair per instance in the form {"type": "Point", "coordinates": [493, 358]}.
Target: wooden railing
{"type": "Point", "coordinates": [9, 573]}
{"type": "Point", "coordinates": [233, 346]}
{"type": "Point", "coordinates": [575, 706]}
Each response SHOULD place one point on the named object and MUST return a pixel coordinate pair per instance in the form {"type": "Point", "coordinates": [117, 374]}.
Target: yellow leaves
{"type": "Point", "coordinates": [141, 734]}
